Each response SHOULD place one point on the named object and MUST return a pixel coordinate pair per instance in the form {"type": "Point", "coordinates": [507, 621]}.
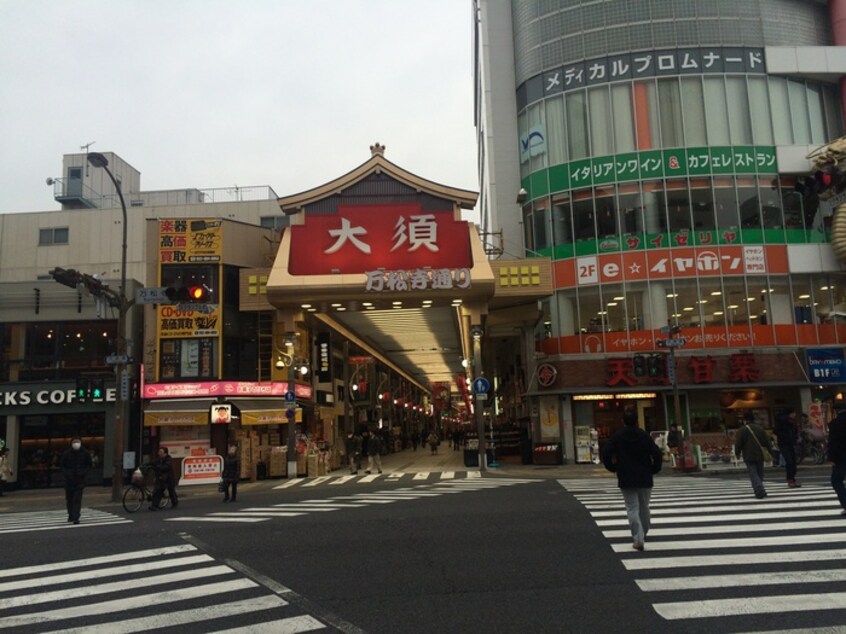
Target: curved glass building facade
{"type": "Point", "coordinates": [656, 148]}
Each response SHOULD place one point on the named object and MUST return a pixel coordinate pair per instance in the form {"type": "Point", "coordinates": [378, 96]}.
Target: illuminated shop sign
{"type": "Point", "coordinates": [22, 398]}
{"type": "Point", "coordinates": [826, 365]}
{"type": "Point", "coordinates": [417, 280]}
{"type": "Point", "coordinates": [608, 397]}
{"type": "Point", "coordinates": [672, 263]}
{"type": "Point", "coordinates": [361, 238]}
{"type": "Point", "coordinates": [223, 388]}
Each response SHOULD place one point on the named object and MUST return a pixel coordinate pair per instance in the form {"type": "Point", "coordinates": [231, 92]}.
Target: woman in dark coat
{"type": "Point", "coordinates": [634, 457]}
{"type": "Point", "coordinates": [231, 474]}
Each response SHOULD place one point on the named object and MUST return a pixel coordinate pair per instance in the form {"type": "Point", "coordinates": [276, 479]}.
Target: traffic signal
{"type": "Point", "coordinates": [639, 365]}
{"type": "Point", "coordinates": [66, 277]}
{"type": "Point", "coordinates": [97, 389]}
{"type": "Point", "coordinates": [83, 390]}
{"type": "Point", "coordinates": [187, 294]}
{"type": "Point", "coordinates": [656, 366]}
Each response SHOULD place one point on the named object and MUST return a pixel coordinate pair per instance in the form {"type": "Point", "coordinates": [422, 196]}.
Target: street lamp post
{"type": "Point", "coordinates": [121, 378]}
{"type": "Point", "coordinates": [477, 332]}
{"type": "Point", "coordinates": [291, 411]}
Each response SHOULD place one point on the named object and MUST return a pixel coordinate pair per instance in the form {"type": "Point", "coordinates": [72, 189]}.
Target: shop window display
{"type": "Point", "coordinates": [45, 438]}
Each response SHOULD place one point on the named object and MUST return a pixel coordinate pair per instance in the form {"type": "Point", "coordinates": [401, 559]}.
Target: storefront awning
{"type": "Point", "coordinates": [177, 412]}
{"type": "Point", "coordinates": [263, 411]}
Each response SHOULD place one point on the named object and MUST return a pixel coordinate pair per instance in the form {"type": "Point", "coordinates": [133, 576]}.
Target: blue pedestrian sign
{"type": "Point", "coordinates": [481, 385]}
{"type": "Point", "coordinates": [289, 397]}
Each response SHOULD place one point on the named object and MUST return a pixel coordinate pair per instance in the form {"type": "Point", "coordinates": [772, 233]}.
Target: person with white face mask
{"type": "Point", "coordinates": [76, 463]}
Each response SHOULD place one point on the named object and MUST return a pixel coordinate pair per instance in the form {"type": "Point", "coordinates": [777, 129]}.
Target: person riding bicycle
{"type": "Point", "coordinates": [163, 469]}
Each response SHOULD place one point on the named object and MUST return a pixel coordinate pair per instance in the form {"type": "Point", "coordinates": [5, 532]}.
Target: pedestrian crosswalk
{"type": "Point", "coordinates": [354, 500]}
{"type": "Point", "coordinates": [718, 559]}
{"type": "Point", "coordinates": [143, 591]}
{"type": "Point", "coordinates": [55, 520]}
{"type": "Point", "coordinates": [368, 478]}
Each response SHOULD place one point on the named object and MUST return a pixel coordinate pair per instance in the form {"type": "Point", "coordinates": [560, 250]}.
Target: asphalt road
{"type": "Point", "coordinates": [499, 553]}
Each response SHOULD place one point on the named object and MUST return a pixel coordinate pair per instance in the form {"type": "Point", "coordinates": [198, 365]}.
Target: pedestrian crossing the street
{"type": "Point", "coordinates": [366, 478]}
{"type": "Point", "coordinates": [55, 520]}
{"type": "Point", "coordinates": [718, 559]}
{"type": "Point", "coordinates": [355, 500]}
{"type": "Point", "coordinates": [144, 591]}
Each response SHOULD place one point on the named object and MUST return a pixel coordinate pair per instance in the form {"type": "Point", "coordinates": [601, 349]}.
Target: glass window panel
{"type": "Point", "coordinates": [630, 209]}
{"type": "Point", "coordinates": [738, 110]}
{"type": "Point", "coordinates": [601, 127]}
{"type": "Point", "coordinates": [537, 154]}
{"type": "Point", "coordinates": [606, 212]}
{"type": "Point", "coordinates": [711, 311]}
{"type": "Point", "coordinates": [669, 101]}
{"type": "Point", "coordinates": [759, 107]}
{"type": "Point", "coordinates": [693, 106]}
{"type": "Point", "coordinates": [634, 305]}
{"type": "Point", "coordinates": [725, 203]}
{"type": "Point", "coordinates": [556, 137]}
{"type": "Point", "coordinates": [791, 204]}
{"type": "Point", "coordinates": [816, 114]}
{"type": "Point", "coordinates": [686, 303]}
{"type": "Point", "coordinates": [646, 115]}
{"type": "Point", "coordinates": [829, 299]}
{"type": "Point", "coordinates": [577, 130]}
{"type": "Point", "coordinates": [583, 225]}
{"type": "Point", "coordinates": [614, 305]}
{"type": "Point", "coordinates": [803, 296]}
{"type": "Point", "coordinates": [771, 214]}
{"type": "Point", "coordinates": [561, 222]}
{"type": "Point", "coordinates": [523, 132]}
{"type": "Point", "coordinates": [528, 234]}
{"type": "Point", "coordinates": [748, 202]}
{"type": "Point", "coordinates": [541, 233]}
{"type": "Point", "coordinates": [45, 237]}
{"type": "Point", "coordinates": [799, 112]}
{"type": "Point", "coordinates": [60, 235]}
{"type": "Point", "coordinates": [678, 205]}
{"type": "Point", "coordinates": [736, 306]}
{"type": "Point", "coordinates": [831, 103]}
{"type": "Point", "coordinates": [653, 195]}
{"type": "Point", "coordinates": [702, 204]}
{"type": "Point", "coordinates": [592, 316]}
{"type": "Point", "coordinates": [624, 130]}
{"type": "Point", "coordinates": [780, 108]}
{"type": "Point", "coordinates": [715, 111]}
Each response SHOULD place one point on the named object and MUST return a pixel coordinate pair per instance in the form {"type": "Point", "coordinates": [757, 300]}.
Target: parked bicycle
{"type": "Point", "coordinates": [137, 493]}
{"type": "Point", "coordinates": [811, 448]}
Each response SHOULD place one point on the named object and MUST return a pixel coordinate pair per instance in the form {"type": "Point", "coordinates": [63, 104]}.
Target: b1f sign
{"type": "Point", "coordinates": [826, 365]}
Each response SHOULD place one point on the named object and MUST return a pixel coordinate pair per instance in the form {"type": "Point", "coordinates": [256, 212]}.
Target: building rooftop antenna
{"type": "Point", "coordinates": [85, 147]}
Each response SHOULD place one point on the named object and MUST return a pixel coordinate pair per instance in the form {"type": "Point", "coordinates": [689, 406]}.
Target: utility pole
{"type": "Point", "coordinates": [672, 342]}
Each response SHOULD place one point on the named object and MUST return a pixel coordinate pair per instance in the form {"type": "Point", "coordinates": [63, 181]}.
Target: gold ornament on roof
{"type": "Point", "coordinates": [377, 148]}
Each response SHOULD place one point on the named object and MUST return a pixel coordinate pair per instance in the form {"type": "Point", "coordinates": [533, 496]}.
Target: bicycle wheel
{"type": "Point", "coordinates": [133, 499]}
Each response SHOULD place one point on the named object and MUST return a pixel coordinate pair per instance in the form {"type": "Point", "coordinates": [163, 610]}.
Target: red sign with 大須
{"type": "Point", "coordinates": [361, 238]}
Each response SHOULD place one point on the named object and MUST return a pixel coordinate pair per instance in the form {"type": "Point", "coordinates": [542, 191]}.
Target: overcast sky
{"type": "Point", "coordinates": [211, 93]}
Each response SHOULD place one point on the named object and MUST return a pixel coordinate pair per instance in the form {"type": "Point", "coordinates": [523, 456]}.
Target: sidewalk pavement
{"type": "Point", "coordinates": [409, 461]}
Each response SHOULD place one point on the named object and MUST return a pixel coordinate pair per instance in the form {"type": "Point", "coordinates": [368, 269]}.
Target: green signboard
{"type": "Point", "coordinates": [652, 164]}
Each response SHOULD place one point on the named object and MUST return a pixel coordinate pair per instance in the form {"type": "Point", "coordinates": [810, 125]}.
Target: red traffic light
{"type": "Point", "coordinates": [186, 294]}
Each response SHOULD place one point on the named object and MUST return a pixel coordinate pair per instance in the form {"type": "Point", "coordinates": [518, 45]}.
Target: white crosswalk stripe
{"type": "Point", "coordinates": [718, 557]}
{"type": "Point", "coordinates": [114, 593]}
{"type": "Point", "coordinates": [374, 477]}
{"type": "Point", "coordinates": [56, 520]}
{"type": "Point", "coordinates": [356, 500]}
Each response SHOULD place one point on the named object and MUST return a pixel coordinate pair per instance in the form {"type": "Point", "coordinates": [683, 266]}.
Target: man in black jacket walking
{"type": "Point", "coordinates": [837, 452]}
{"type": "Point", "coordinates": [635, 458]}
{"type": "Point", "coordinates": [76, 463]}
